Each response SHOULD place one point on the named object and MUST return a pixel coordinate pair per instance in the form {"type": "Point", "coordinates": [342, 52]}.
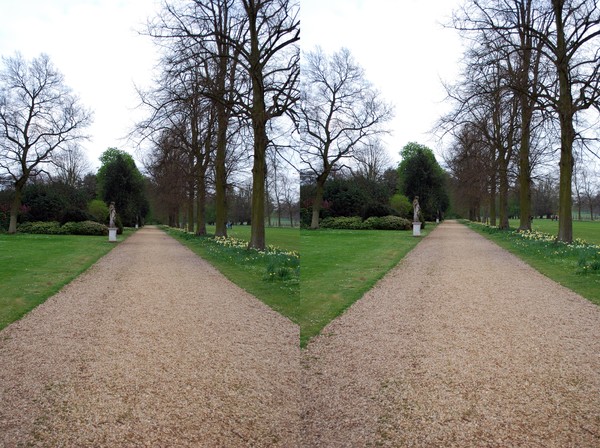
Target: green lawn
{"type": "Point", "coordinates": [586, 230]}
{"type": "Point", "coordinates": [557, 261]}
{"type": "Point", "coordinates": [34, 267]}
{"type": "Point", "coordinates": [339, 266]}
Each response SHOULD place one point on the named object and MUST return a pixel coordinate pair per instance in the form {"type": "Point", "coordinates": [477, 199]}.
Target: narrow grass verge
{"type": "Point", "coordinates": [339, 266]}
{"type": "Point", "coordinates": [575, 266]}
{"type": "Point", "coordinates": [272, 276]}
{"type": "Point", "coordinates": [35, 267]}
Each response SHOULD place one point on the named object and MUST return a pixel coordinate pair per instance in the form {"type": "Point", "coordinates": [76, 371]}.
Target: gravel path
{"type": "Point", "coordinates": [461, 345]}
{"type": "Point", "coordinates": [151, 347]}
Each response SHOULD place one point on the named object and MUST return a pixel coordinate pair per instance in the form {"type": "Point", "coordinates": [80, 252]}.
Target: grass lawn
{"type": "Point", "coordinates": [34, 267]}
{"type": "Point", "coordinates": [562, 263]}
{"type": "Point", "coordinates": [257, 273]}
{"type": "Point", "coordinates": [339, 266]}
{"type": "Point", "coordinates": [586, 230]}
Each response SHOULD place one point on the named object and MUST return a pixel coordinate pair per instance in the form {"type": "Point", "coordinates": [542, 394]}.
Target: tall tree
{"type": "Point", "coordinates": [121, 182]}
{"type": "Point", "coordinates": [420, 175]}
{"type": "Point", "coordinates": [38, 115]}
{"type": "Point", "coordinates": [270, 57]}
{"type": "Point", "coordinates": [340, 110]}
{"type": "Point", "coordinates": [573, 46]}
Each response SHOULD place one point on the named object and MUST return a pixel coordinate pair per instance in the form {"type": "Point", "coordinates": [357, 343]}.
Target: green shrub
{"type": "Point", "coordinates": [387, 223]}
{"type": "Point", "coordinates": [42, 228]}
{"type": "Point", "coordinates": [85, 228]}
{"type": "Point", "coordinates": [377, 210]}
{"type": "Point", "coordinates": [74, 215]}
{"type": "Point", "coordinates": [69, 228]}
{"type": "Point", "coordinates": [401, 204]}
{"type": "Point", "coordinates": [373, 223]}
{"type": "Point", "coordinates": [342, 222]}
{"type": "Point", "coordinates": [99, 211]}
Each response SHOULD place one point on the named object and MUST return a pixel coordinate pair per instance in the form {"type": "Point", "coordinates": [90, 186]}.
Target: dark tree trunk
{"type": "Point", "coordinates": [316, 207]}
{"type": "Point", "coordinates": [257, 228]}
{"type": "Point", "coordinates": [220, 172]}
{"type": "Point", "coordinates": [14, 209]}
{"type": "Point", "coordinates": [567, 132]}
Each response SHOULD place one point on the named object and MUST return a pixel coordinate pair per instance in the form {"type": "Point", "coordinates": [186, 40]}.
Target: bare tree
{"type": "Point", "coordinates": [38, 115]}
{"type": "Point", "coordinates": [372, 159]}
{"type": "Point", "coordinates": [340, 110]}
{"type": "Point", "coordinates": [71, 164]}
{"type": "Point", "coordinates": [572, 45]}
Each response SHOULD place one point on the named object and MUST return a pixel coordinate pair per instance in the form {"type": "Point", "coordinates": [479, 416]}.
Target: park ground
{"type": "Point", "coordinates": [461, 344]}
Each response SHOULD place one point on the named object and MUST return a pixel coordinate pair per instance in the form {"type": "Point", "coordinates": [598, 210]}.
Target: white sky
{"type": "Point", "coordinates": [404, 49]}
{"type": "Point", "coordinates": [96, 45]}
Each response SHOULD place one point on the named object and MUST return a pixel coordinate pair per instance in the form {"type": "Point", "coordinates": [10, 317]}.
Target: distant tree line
{"type": "Point", "coordinates": [66, 193]}
{"type": "Point", "coordinates": [367, 189]}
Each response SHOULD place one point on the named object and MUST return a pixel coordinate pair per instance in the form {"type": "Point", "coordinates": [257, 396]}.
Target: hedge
{"type": "Point", "coordinates": [372, 223]}
{"type": "Point", "coordinates": [69, 228]}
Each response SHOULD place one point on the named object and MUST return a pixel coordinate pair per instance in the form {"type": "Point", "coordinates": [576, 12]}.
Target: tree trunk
{"type": "Point", "coordinates": [201, 205]}
{"type": "Point", "coordinates": [493, 199]}
{"type": "Point", "coordinates": [220, 173]}
{"type": "Point", "coordinates": [257, 228]}
{"type": "Point", "coordinates": [316, 207]}
{"type": "Point", "coordinates": [567, 132]}
{"type": "Point", "coordinates": [190, 210]}
{"type": "Point", "coordinates": [524, 168]}
{"type": "Point", "coordinates": [503, 191]}
{"type": "Point", "coordinates": [14, 209]}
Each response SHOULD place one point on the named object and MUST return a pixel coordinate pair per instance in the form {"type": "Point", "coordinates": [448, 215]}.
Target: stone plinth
{"type": "Point", "coordinates": [416, 228]}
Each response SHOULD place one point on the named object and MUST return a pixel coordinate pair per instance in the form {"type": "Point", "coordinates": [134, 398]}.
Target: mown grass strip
{"type": "Point", "coordinates": [271, 276]}
{"type": "Point", "coordinates": [575, 266]}
{"type": "Point", "coordinates": [35, 267]}
{"type": "Point", "coordinates": [339, 266]}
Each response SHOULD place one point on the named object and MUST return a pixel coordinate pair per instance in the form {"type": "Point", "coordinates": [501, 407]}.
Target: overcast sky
{"type": "Point", "coordinates": [96, 45]}
{"type": "Point", "coordinates": [404, 49]}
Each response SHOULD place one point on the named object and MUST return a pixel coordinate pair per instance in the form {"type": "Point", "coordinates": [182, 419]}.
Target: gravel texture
{"type": "Point", "coordinates": [460, 345]}
{"type": "Point", "coordinates": [150, 347]}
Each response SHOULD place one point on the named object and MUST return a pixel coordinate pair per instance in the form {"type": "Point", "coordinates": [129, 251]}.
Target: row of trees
{"type": "Point", "coordinates": [228, 75]}
{"type": "Point", "coordinates": [530, 84]}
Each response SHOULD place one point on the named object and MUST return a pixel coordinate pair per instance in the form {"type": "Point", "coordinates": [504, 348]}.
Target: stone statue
{"type": "Point", "coordinates": [416, 209]}
{"type": "Point", "coordinates": [112, 213]}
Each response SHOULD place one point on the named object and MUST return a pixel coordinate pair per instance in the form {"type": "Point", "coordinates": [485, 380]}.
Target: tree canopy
{"type": "Point", "coordinates": [120, 181]}
{"type": "Point", "coordinates": [420, 175]}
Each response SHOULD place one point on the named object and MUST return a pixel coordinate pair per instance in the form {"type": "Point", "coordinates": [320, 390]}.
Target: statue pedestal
{"type": "Point", "coordinates": [416, 228]}
{"type": "Point", "coordinates": [112, 234]}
